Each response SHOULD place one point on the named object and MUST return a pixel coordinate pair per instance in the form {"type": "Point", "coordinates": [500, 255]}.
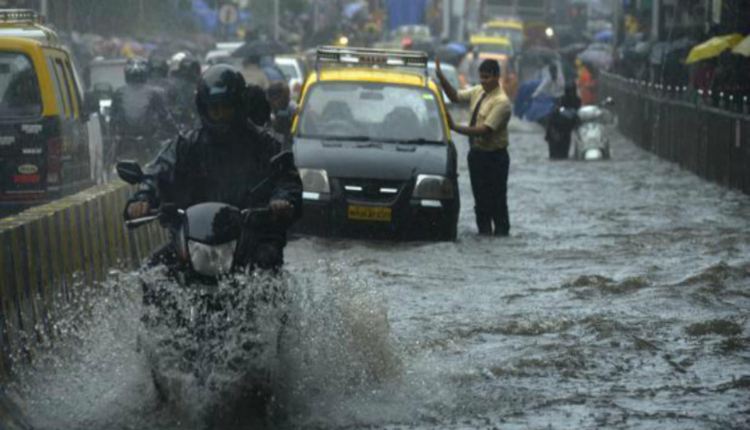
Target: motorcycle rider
{"type": "Point", "coordinates": [158, 76]}
{"type": "Point", "coordinates": [222, 161]}
{"type": "Point", "coordinates": [139, 116]}
{"type": "Point", "coordinates": [185, 78]}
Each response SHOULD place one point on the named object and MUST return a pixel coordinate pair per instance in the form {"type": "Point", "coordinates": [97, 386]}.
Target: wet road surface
{"type": "Point", "coordinates": [620, 300]}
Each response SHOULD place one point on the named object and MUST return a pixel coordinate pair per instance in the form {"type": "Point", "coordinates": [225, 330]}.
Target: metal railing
{"type": "Point", "coordinates": [712, 142]}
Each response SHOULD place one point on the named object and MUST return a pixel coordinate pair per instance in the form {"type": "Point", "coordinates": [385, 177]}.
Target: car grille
{"type": "Point", "coordinates": [373, 190]}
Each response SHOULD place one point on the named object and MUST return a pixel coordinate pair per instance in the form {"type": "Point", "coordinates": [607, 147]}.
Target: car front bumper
{"type": "Point", "coordinates": [411, 219]}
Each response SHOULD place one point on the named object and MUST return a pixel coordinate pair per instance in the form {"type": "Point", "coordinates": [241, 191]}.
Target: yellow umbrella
{"type": "Point", "coordinates": [713, 47]}
{"type": "Point", "coordinates": [743, 48]}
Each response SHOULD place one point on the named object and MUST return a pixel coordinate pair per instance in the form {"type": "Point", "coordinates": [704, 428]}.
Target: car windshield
{"type": "Point", "coordinates": [515, 36]}
{"type": "Point", "coordinates": [362, 111]}
{"type": "Point", "coordinates": [493, 48]}
{"type": "Point", "coordinates": [110, 73]}
{"type": "Point", "coordinates": [19, 87]}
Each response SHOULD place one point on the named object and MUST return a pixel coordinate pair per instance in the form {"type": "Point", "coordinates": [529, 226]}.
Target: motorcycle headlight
{"type": "Point", "coordinates": [433, 187]}
{"type": "Point", "coordinates": [212, 260]}
{"type": "Point", "coordinates": [314, 182]}
{"type": "Point", "coordinates": [593, 154]}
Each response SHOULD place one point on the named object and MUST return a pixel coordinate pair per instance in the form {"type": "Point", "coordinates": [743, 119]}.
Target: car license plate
{"type": "Point", "coordinates": [370, 213]}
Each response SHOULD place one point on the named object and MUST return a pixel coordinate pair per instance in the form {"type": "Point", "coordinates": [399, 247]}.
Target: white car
{"type": "Point", "coordinates": [294, 72]}
{"type": "Point", "coordinates": [451, 74]}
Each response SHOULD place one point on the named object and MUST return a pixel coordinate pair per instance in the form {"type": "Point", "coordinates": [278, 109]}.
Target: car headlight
{"type": "Point", "coordinates": [433, 187]}
{"type": "Point", "coordinates": [212, 260]}
{"type": "Point", "coordinates": [314, 182]}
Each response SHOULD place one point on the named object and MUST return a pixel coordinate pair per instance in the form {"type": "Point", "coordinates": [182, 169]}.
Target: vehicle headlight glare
{"type": "Point", "coordinates": [315, 181]}
{"type": "Point", "coordinates": [212, 260]}
{"type": "Point", "coordinates": [433, 187]}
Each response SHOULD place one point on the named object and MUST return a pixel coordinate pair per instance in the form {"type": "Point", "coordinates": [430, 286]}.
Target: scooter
{"type": "Point", "coordinates": [209, 297]}
{"type": "Point", "coordinates": [591, 137]}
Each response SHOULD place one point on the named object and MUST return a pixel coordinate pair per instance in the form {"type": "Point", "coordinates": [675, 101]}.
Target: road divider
{"type": "Point", "coordinates": [48, 251]}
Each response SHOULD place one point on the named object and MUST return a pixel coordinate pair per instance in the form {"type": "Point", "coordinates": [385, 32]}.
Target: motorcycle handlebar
{"type": "Point", "coordinates": [154, 215]}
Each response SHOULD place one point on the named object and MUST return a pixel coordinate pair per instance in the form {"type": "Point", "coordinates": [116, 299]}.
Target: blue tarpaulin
{"type": "Point", "coordinates": [208, 18]}
{"type": "Point", "coordinates": [405, 12]}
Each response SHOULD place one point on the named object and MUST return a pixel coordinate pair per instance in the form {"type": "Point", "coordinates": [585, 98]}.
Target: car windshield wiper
{"type": "Point", "coordinates": [418, 141]}
{"type": "Point", "coordinates": [422, 140]}
{"type": "Point", "coordinates": [324, 137]}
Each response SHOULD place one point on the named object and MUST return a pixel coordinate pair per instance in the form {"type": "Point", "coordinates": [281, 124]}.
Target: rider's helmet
{"type": "Point", "coordinates": [188, 68]}
{"type": "Point", "coordinates": [157, 67]}
{"type": "Point", "coordinates": [220, 98]}
{"type": "Point", "coordinates": [136, 71]}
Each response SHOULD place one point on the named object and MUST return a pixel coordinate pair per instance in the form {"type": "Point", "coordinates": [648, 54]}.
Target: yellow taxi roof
{"type": "Point", "coordinates": [504, 23]}
{"type": "Point", "coordinates": [18, 43]}
{"type": "Point", "coordinates": [380, 76]}
{"type": "Point", "coordinates": [489, 40]}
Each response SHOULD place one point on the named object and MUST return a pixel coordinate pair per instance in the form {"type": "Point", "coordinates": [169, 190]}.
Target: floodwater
{"type": "Point", "coordinates": [620, 301]}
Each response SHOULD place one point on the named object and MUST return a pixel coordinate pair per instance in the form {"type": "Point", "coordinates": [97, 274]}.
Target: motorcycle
{"type": "Point", "coordinates": [591, 137]}
{"type": "Point", "coordinates": [210, 296]}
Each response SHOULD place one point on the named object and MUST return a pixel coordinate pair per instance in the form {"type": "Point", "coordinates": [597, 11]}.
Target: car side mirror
{"type": "Point", "coordinates": [130, 171]}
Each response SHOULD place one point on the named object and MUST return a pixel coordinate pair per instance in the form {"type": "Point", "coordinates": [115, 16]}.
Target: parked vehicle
{"type": "Point", "coordinates": [591, 137]}
{"type": "Point", "coordinates": [44, 133]}
{"type": "Point", "coordinates": [374, 149]}
{"type": "Point", "coordinates": [508, 28]}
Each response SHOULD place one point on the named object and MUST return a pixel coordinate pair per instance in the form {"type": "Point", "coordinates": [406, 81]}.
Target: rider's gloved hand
{"type": "Point", "coordinates": [281, 210]}
{"type": "Point", "coordinates": [138, 209]}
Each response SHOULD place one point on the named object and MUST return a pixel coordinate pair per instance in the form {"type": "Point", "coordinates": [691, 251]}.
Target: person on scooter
{"type": "Point", "coordinates": [139, 116]}
{"type": "Point", "coordinates": [562, 121]}
{"type": "Point", "coordinates": [222, 161]}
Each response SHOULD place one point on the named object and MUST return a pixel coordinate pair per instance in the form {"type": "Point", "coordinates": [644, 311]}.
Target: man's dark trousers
{"type": "Point", "coordinates": [489, 183]}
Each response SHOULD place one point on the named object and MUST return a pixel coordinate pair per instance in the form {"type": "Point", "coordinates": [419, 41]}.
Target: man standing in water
{"type": "Point", "coordinates": [488, 136]}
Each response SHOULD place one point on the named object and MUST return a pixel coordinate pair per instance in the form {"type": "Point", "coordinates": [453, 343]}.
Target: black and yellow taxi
{"type": "Point", "coordinates": [44, 151]}
{"type": "Point", "coordinates": [374, 149]}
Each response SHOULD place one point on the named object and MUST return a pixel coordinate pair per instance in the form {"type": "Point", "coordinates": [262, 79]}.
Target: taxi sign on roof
{"type": "Point", "coordinates": [19, 16]}
{"type": "Point", "coordinates": [372, 57]}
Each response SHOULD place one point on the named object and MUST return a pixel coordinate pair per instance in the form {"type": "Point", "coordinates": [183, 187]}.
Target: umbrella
{"type": "Point", "coordinates": [743, 48]}
{"type": "Point", "coordinates": [573, 49]}
{"type": "Point", "coordinates": [458, 48]}
{"type": "Point", "coordinates": [713, 47]}
{"type": "Point", "coordinates": [604, 36]}
{"type": "Point", "coordinates": [260, 48]}
{"type": "Point", "coordinates": [597, 55]}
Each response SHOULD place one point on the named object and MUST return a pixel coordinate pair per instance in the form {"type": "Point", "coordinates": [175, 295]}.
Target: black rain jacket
{"type": "Point", "coordinates": [202, 167]}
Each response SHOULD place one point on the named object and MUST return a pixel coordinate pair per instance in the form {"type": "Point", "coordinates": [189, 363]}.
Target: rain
{"type": "Point", "coordinates": [374, 214]}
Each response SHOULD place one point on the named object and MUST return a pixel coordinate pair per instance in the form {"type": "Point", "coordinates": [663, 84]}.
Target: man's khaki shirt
{"type": "Point", "coordinates": [494, 113]}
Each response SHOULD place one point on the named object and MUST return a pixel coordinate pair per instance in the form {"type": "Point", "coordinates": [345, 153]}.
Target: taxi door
{"type": "Point", "coordinates": [73, 137]}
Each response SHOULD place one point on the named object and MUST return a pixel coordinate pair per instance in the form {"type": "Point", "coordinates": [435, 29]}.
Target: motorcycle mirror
{"type": "Point", "coordinates": [282, 162]}
{"type": "Point", "coordinates": [130, 171]}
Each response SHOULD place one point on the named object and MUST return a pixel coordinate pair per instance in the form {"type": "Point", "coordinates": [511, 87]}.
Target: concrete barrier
{"type": "Point", "coordinates": [47, 251]}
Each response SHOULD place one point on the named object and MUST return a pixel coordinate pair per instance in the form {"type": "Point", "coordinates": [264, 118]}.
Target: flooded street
{"type": "Point", "coordinates": [620, 300]}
